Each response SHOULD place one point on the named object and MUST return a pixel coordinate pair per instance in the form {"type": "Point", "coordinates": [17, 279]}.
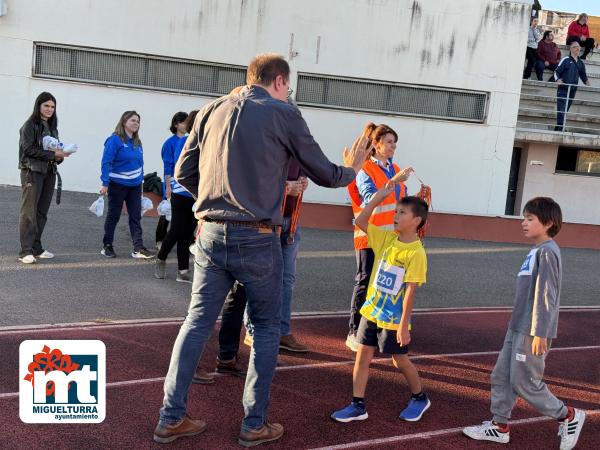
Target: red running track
{"type": "Point", "coordinates": [308, 387]}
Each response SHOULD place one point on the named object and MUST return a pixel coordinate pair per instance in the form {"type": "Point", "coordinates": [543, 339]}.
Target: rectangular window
{"type": "Point", "coordinates": [391, 98]}
{"type": "Point", "coordinates": [117, 68]}
{"type": "Point", "coordinates": [578, 161]}
{"type": "Point", "coordinates": [588, 162]}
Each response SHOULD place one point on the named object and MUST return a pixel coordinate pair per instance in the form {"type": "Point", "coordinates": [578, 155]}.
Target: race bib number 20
{"type": "Point", "coordinates": [388, 278]}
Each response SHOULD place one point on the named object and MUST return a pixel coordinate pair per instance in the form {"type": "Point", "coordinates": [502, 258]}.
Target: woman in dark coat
{"type": "Point", "coordinates": [38, 176]}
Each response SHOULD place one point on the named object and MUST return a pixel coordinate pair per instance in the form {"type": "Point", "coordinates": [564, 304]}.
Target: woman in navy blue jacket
{"type": "Point", "coordinates": [178, 129]}
{"type": "Point", "coordinates": [183, 221]}
{"type": "Point", "coordinates": [122, 178]}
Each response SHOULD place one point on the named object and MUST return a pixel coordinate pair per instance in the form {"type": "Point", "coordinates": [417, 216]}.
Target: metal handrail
{"type": "Point", "coordinates": [570, 113]}
{"type": "Point", "coordinates": [581, 85]}
{"type": "Point", "coordinates": [565, 106]}
{"type": "Point", "coordinates": [575, 100]}
{"type": "Point", "coordinates": [545, 126]}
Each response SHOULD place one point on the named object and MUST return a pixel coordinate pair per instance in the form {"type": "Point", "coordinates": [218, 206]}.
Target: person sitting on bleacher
{"type": "Point", "coordinates": [580, 33]}
{"type": "Point", "coordinates": [548, 56]}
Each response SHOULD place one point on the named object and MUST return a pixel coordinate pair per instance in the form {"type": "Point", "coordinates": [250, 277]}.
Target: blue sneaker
{"type": "Point", "coordinates": [415, 409]}
{"type": "Point", "coordinates": [350, 413]}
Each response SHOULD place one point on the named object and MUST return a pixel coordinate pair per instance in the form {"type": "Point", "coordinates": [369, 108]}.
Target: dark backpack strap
{"type": "Point", "coordinates": [58, 187]}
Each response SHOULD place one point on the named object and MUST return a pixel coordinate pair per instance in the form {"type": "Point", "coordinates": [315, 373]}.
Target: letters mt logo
{"type": "Point", "coordinates": [62, 381]}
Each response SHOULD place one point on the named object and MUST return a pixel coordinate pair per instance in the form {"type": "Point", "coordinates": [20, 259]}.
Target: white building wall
{"type": "Point", "coordinates": [433, 42]}
{"type": "Point", "coordinates": [565, 189]}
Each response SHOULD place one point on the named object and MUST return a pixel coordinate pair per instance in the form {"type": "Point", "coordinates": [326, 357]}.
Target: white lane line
{"type": "Point", "coordinates": [99, 264]}
{"type": "Point", "coordinates": [436, 433]}
{"type": "Point", "coordinates": [134, 323]}
{"type": "Point", "coordinates": [86, 326]}
{"type": "Point", "coordinates": [96, 263]}
{"type": "Point", "coordinates": [422, 357]}
{"type": "Point", "coordinates": [318, 254]}
{"type": "Point", "coordinates": [332, 364]}
{"type": "Point", "coordinates": [429, 251]}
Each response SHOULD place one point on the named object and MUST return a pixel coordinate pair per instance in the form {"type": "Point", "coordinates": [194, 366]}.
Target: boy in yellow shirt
{"type": "Point", "coordinates": [400, 266]}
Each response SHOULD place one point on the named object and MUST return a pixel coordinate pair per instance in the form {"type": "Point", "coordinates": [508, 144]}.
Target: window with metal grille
{"type": "Point", "coordinates": [391, 98]}
{"type": "Point", "coordinates": [134, 70]}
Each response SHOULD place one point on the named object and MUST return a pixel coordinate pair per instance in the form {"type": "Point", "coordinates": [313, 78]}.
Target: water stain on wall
{"type": "Point", "coordinates": [415, 12]}
{"type": "Point", "coordinates": [502, 12]}
{"type": "Point", "coordinates": [399, 49]}
{"type": "Point", "coordinates": [260, 15]}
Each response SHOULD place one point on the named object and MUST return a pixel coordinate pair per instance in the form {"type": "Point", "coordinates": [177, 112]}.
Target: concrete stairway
{"type": "Point", "coordinates": [537, 108]}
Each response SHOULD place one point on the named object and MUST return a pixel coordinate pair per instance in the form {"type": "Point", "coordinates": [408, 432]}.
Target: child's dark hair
{"type": "Point", "coordinates": [547, 211]}
{"type": "Point", "coordinates": [178, 118]}
{"type": "Point", "coordinates": [191, 118]}
{"type": "Point", "coordinates": [418, 207]}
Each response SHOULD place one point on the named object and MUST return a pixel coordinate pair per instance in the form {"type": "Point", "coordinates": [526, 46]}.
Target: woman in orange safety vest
{"type": "Point", "coordinates": [377, 170]}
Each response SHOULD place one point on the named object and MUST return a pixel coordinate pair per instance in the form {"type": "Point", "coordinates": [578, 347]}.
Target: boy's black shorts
{"type": "Point", "coordinates": [371, 335]}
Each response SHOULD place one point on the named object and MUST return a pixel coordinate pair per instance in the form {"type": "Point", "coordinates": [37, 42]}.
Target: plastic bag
{"type": "Point", "coordinates": [97, 207]}
{"type": "Point", "coordinates": [164, 209]}
{"type": "Point", "coordinates": [70, 148]}
{"type": "Point", "coordinates": [146, 205]}
{"type": "Point", "coordinates": [52, 144]}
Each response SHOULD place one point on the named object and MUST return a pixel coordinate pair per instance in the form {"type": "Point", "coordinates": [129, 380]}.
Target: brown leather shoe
{"type": "Point", "coordinates": [267, 433]}
{"type": "Point", "coordinates": [203, 377]}
{"type": "Point", "coordinates": [231, 367]}
{"type": "Point", "coordinates": [186, 427]}
{"type": "Point", "coordinates": [290, 344]}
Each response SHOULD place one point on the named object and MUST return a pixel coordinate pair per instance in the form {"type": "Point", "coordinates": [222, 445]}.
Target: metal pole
{"type": "Point", "coordinates": [566, 108]}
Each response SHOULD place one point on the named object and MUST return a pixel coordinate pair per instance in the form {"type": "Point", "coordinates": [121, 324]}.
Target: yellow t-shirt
{"type": "Point", "coordinates": [396, 263]}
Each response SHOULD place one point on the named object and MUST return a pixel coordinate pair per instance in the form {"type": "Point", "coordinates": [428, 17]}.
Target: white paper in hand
{"type": "Point", "coordinates": [146, 205]}
{"type": "Point", "coordinates": [70, 148]}
{"type": "Point", "coordinates": [97, 207]}
{"type": "Point", "coordinates": [164, 209]}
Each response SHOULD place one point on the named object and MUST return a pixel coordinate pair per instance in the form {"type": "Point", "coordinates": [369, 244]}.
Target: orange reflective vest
{"type": "Point", "coordinates": [383, 215]}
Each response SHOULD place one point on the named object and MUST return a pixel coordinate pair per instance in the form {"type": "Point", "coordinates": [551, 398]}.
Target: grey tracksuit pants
{"type": "Point", "coordinates": [518, 373]}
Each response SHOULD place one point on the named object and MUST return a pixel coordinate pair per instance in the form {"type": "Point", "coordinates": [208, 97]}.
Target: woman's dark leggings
{"type": "Point", "coordinates": [181, 231]}
{"type": "Point", "coordinates": [364, 265]}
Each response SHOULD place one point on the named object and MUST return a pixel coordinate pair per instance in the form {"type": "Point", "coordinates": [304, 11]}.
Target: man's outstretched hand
{"type": "Point", "coordinates": [356, 156]}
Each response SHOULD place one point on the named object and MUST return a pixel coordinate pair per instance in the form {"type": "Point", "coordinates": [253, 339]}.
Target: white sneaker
{"type": "Point", "coordinates": [29, 259]}
{"type": "Point", "coordinates": [569, 430]}
{"type": "Point", "coordinates": [45, 255]}
{"type": "Point", "coordinates": [352, 343]}
{"type": "Point", "coordinates": [487, 431]}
